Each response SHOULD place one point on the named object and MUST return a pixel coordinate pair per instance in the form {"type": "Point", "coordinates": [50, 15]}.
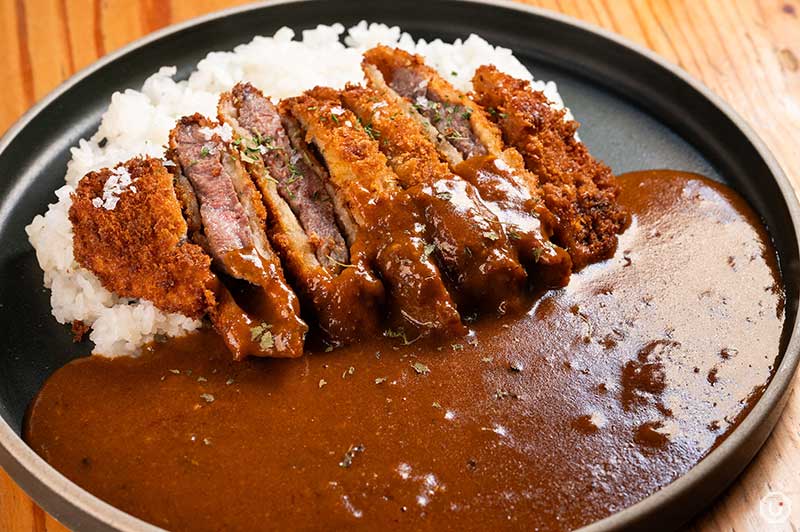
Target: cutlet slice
{"type": "Point", "coordinates": [470, 243]}
{"type": "Point", "coordinates": [473, 146]}
{"type": "Point", "coordinates": [344, 296]}
{"type": "Point", "coordinates": [258, 124]}
{"type": "Point", "coordinates": [454, 122]}
{"type": "Point", "coordinates": [389, 229]}
{"type": "Point", "coordinates": [581, 191]}
{"type": "Point", "coordinates": [128, 230]}
{"type": "Point", "coordinates": [233, 228]}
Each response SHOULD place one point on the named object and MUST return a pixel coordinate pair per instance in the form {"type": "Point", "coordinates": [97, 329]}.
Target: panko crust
{"type": "Point", "coordinates": [139, 249]}
{"type": "Point", "coordinates": [580, 190]}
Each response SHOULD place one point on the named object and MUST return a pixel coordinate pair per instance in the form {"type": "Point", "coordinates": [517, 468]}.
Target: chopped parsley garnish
{"type": "Point", "coordinates": [420, 368]}
{"type": "Point", "coordinates": [429, 249]}
{"type": "Point", "coordinates": [505, 394]}
{"type": "Point", "coordinates": [399, 333]}
{"type": "Point", "coordinates": [262, 335]}
{"type": "Point", "coordinates": [351, 453]}
{"type": "Point", "coordinates": [204, 151]}
{"type": "Point", "coordinates": [335, 119]}
{"type": "Point", "coordinates": [457, 347]}
{"type": "Point", "coordinates": [537, 254]}
{"type": "Point", "coordinates": [491, 235]}
{"type": "Point", "coordinates": [369, 130]}
{"type": "Point", "coordinates": [445, 195]}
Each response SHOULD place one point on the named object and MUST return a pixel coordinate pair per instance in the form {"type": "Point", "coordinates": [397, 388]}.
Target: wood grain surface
{"type": "Point", "coordinates": [744, 50]}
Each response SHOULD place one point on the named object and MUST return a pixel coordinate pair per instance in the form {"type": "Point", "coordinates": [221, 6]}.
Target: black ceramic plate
{"type": "Point", "coordinates": [637, 113]}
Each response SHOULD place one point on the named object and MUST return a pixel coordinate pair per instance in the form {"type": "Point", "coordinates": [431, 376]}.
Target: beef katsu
{"type": "Point", "coordinates": [128, 230]}
{"type": "Point", "coordinates": [403, 206]}
{"type": "Point", "coordinates": [389, 228]}
{"type": "Point", "coordinates": [473, 146]}
{"type": "Point", "coordinates": [469, 241]}
{"type": "Point", "coordinates": [232, 216]}
{"type": "Point", "coordinates": [343, 295]}
{"type": "Point", "coordinates": [581, 191]}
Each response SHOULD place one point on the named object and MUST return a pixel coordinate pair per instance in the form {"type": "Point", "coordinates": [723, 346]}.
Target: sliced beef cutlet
{"type": "Point", "coordinates": [470, 243]}
{"type": "Point", "coordinates": [473, 146]}
{"type": "Point", "coordinates": [232, 217]}
{"type": "Point", "coordinates": [581, 191]}
{"type": "Point", "coordinates": [334, 284]}
{"type": "Point", "coordinates": [388, 228]}
{"type": "Point", "coordinates": [128, 230]}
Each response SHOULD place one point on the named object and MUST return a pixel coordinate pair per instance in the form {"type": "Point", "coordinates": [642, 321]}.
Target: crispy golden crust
{"type": "Point", "coordinates": [389, 60]}
{"type": "Point", "coordinates": [345, 301]}
{"type": "Point", "coordinates": [138, 248]}
{"type": "Point", "coordinates": [387, 221]}
{"type": "Point", "coordinates": [581, 191]}
{"type": "Point", "coordinates": [471, 244]}
{"type": "Point", "coordinates": [356, 166]}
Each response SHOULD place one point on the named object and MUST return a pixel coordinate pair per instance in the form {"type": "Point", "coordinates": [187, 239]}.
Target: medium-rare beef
{"type": "Point", "coordinates": [297, 184]}
{"type": "Point", "coordinates": [337, 289]}
{"type": "Point", "coordinates": [500, 177]}
{"type": "Point", "coordinates": [233, 224]}
{"type": "Point", "coordinates": [470, 243]}
{"type": "Point", "coordinates": [390, 230]}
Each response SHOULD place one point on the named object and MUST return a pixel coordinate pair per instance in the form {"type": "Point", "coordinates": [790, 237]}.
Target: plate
{"type": "Point", "coordinates": [638, 112]}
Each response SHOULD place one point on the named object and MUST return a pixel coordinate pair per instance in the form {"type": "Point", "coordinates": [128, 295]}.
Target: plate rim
{"type": "Point", "coordinates": [38, 478]}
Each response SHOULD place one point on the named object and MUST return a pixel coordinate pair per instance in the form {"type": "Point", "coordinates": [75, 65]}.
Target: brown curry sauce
{"type": "Point", "coordinates": [600, 394]}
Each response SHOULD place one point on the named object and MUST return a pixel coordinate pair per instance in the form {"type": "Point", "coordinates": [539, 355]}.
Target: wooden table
{"type": "Point", "coordinates": [744, 50]}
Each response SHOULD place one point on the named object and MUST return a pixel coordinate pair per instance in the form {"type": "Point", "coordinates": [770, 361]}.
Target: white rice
{"type": "Point", "coordinates": [138, 122]}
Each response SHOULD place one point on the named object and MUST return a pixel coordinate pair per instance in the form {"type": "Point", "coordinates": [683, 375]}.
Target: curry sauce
{"type": "Point", "coordinates": [594, 397]}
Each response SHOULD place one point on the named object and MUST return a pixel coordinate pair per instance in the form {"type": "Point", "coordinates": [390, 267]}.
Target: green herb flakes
{"type": "Point", "coordinates": [262, 335]}
{"type": "Point", "coordinates": [420, 368]}
{"type": "Point", "coordinates": [351, 453]}
{"type": "Point", "coordinates": [445, 195]}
